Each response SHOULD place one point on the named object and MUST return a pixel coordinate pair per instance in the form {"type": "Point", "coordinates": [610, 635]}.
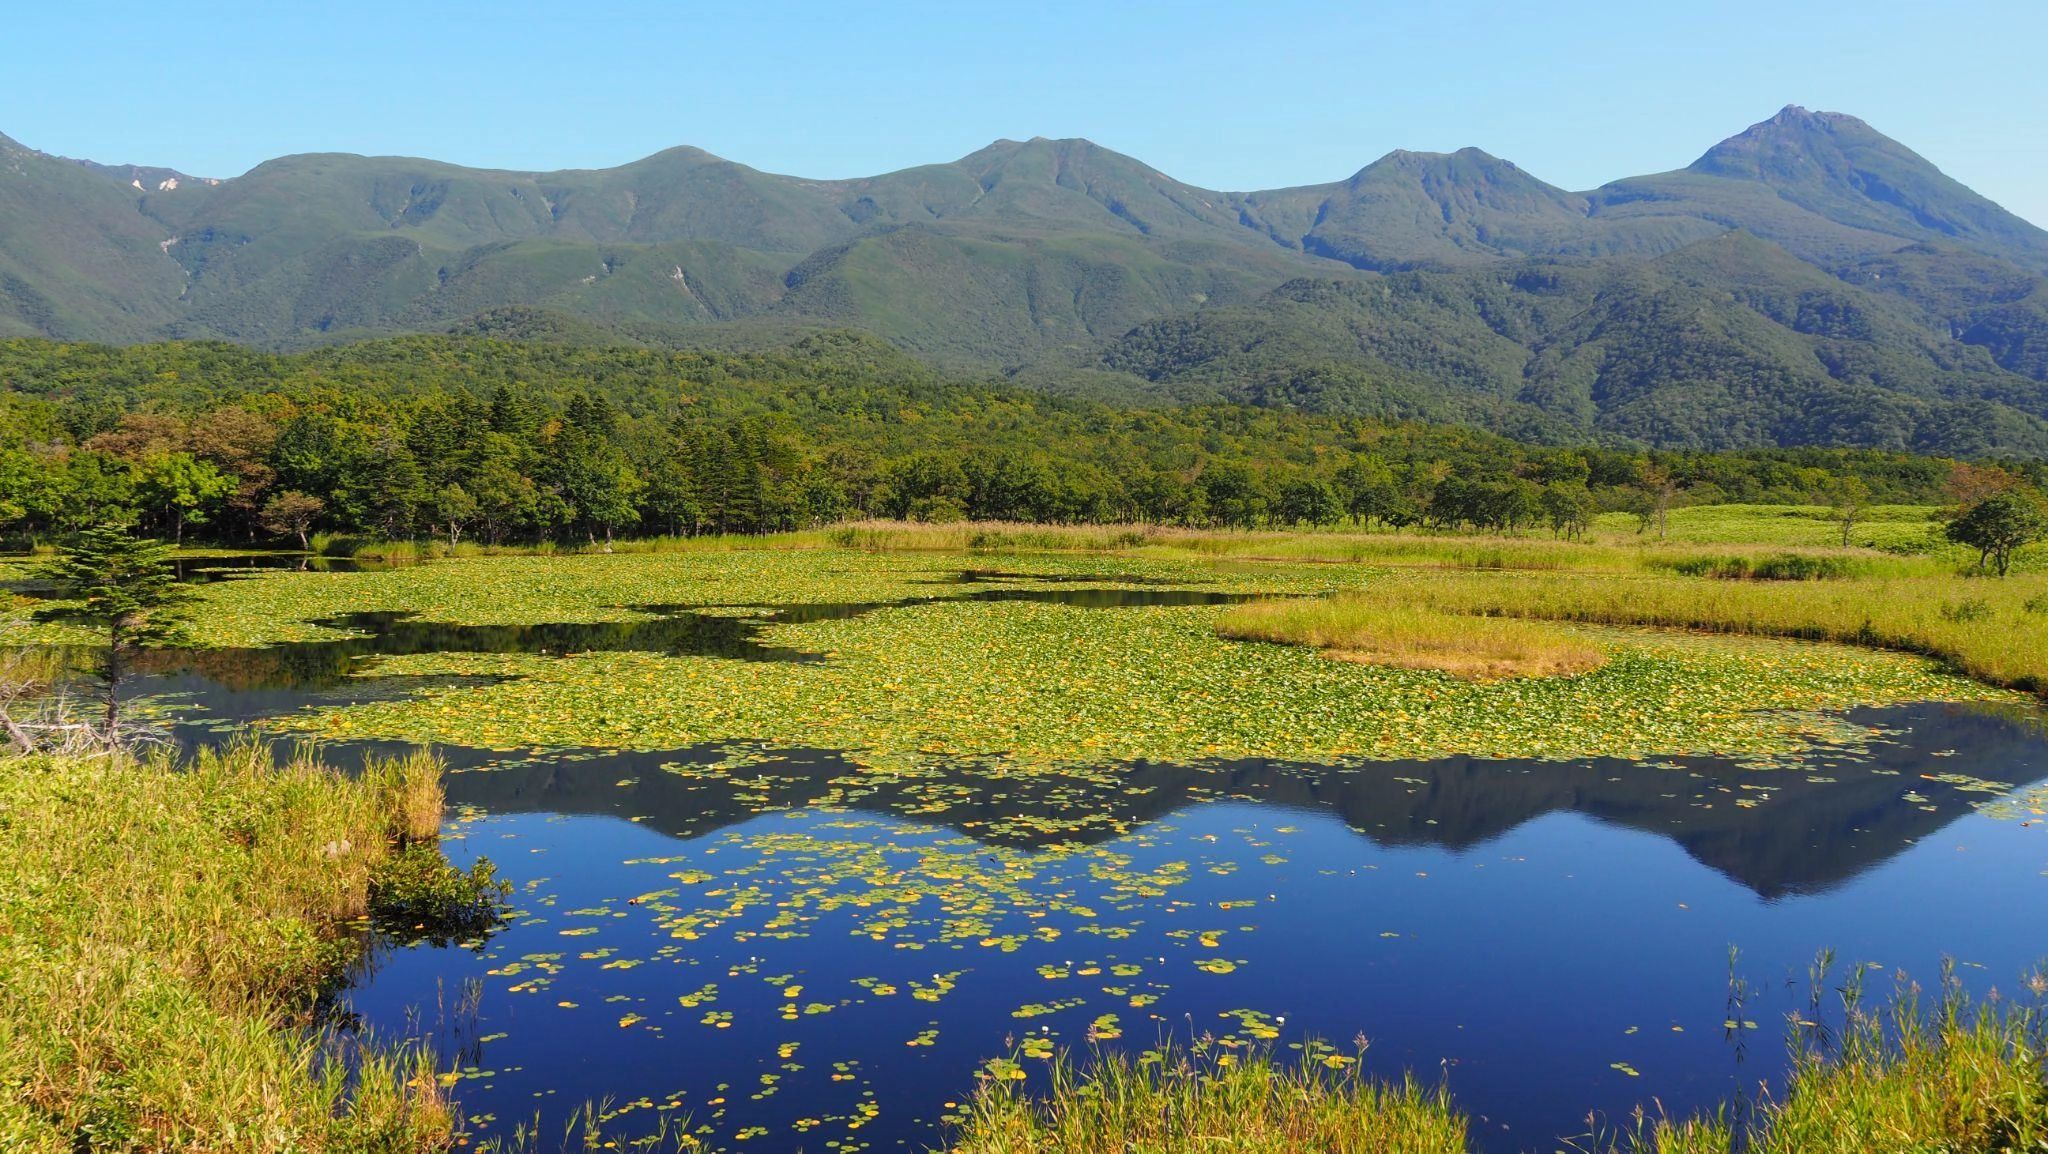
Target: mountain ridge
{"type": "Point", "coordinates": [1046, 256]}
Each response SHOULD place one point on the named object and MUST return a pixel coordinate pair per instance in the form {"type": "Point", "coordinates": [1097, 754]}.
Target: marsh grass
{"type": "Point", "coordinates": [1965, 1077]}
{"type": "Point", "coordinates": [1981, 628]}
{"type": "Point", "coordinates": [1738, 540]}
{"type": "Point", "coordinates": [164, 933]}
{"type": "Point", "coordinates": [985, 536]}
{"type": "Point", "coordinates": [1769, 556]}
{"type": "Point", "coordinates": [1962, 1077]}
{"type": "Point", "coordinates": [412, 783]}
{"type": "Point", "coordinates": [1176, 1100]}
{"type": "Point", "coordinates": [1359, 627]}
{"type": "Point", "coordinates": [416, 552]}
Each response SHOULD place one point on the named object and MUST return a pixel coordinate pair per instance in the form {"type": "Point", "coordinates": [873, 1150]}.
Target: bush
{"type": "Point", "coordinates": [417, 896]}
{"type": "Point", "coordinates": [1966, 610]}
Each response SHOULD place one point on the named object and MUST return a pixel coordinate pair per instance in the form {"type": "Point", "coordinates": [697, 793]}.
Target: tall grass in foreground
{"type": "Point", "coordinates": [1198, 1101]}
{"type": "Point", "coordinates": [163, 932]}
{"type": "Point", "coordinates": [1965, 1078]}
{"type": "Point", "coordinates": [1359, 628]}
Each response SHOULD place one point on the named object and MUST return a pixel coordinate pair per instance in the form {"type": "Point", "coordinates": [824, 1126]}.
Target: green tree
{"type": "Point", "coordinates": [1307, 500]}
{"type": "Point", "coordinates": [122, 587]}
{"type": "Point", "coordinates": [1568, 507]}
{"type": "Point", "coordinates": [1368, 490]}
{"type": "Point", "coordinates": [1999, 525]}
{"type": "Point", "coordinates": [387, 486]}
{"type": "Point", "coordinates": [1848, 497]}
{"type": "Point", "coordinates": [670, 500]}
{"type": "Point", "coordinates": [95, 489]}
{"type": "Point", "coordinates": [1660, 492]}
{"type": "Point", "coordinates": [507, 501]}
{"type": "Point", "coordinates": [453, 508]}
{"type": "Point", "coordinates": [26, 492]}
{"type": "Point", "coordinates": [183, 488]}
{"type": "Point", "coordinates": [1233, 496]}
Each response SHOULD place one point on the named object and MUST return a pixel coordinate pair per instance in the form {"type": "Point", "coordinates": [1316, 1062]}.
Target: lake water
{"type": "Point", "coordinates": [798, 953]}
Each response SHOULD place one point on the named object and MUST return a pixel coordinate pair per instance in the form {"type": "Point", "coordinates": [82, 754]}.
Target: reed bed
{"type": "Point", "coordinates": [1358, 627]}
{"type": "Point", "coordinates": [1180, 1100]}
{"type": "Point", "coordinates": [164, 930]}
{"type": "Point", "coordinates": [1992, 630]}
{"type": "Point", "coordinates": [1964, 1078]}
{"type": "Point", "coordinates": [1967, 1078]}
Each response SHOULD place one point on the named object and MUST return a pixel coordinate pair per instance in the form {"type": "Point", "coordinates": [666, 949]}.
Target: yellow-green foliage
{"type": "Point", "coordinates": [1025, 681]}
{"type": "Point", "coordinates": [1175, 1101]}
{"type": "Point", "coordinates": [1886, 526]}
{"type": "Point", "coordinates": [162, 931]}
{"type": "Point", "coordinates": [1029, 682]}
{"type": "Point", "coordinates": [1993, 630]}
{"type": "Point", "coordinates": [1356, 627]}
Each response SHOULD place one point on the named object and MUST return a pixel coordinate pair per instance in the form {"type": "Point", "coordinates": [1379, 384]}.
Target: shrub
{"type": "Point", "coordinates": [1777, 567]}
{"type": "Point", "coordinates": [417, 896]}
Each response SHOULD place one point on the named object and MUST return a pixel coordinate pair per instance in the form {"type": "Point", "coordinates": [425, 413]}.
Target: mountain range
{"type": "Point", "coordinates": [1806, 281]}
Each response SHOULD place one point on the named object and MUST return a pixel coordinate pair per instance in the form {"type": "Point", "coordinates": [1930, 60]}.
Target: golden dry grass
{"type": "Point", "coordinates": [1363, 628]}
{"type": "Point", "coordinates": [1995, 630]}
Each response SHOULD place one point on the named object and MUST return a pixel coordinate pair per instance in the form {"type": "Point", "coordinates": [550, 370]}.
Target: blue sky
{"type": "Point", "coordinates": [1231, 96]}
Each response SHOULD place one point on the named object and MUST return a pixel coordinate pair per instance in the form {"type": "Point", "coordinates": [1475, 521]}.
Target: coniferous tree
{"type": "Point", "coordinates": [122, 587]}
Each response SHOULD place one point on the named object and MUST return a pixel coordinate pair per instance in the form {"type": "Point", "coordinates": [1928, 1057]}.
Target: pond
{"type": "Point", "coordinates": [784, 948]}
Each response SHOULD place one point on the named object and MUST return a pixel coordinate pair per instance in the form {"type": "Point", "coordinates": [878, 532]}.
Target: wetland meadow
{"type": "Point", "coordinates": [884, 838]}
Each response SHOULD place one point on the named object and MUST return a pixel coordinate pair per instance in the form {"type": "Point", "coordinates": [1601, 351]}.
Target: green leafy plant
{"type": "Point", "coordinates": [417, 896]}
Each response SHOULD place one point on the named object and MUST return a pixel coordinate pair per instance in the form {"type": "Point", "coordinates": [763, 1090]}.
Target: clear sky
{"type": "Point", "coordinates": [1229, 96]}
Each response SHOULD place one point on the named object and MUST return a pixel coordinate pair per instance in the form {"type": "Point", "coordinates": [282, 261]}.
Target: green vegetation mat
{"type": "Point", "coordinates": [1030, 682]}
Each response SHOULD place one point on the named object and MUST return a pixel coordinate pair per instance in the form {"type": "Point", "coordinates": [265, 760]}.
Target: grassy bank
{"type": "Point", "coordinates": [163, 934]}
{"type": "Point", "coordinates": [1889, 539]}
{"type": "Point", "coordinates": [1964, 1079]}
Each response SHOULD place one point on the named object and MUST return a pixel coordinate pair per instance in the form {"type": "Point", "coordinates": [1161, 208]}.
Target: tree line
{"type": "Point", "coordinates": [473, 439]}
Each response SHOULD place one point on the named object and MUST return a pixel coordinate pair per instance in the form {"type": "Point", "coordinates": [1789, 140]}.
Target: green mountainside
{"type": "Point", "coordinates": [1806, 281]}
{"type": "Point", "coordinates": [1730, 342]}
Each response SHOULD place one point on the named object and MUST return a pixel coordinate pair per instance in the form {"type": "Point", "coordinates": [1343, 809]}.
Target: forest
{"type": "Point", "coordinates": [469, 438]}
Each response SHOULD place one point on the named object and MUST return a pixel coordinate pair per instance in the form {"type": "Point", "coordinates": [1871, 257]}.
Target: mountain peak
{"type": "Point", "coordinates": [1799, 116]}
{"type": "Point", "coordinates": [1799, 146]}
{"type": "Point", "coordinates": [1840, 168]}
{"type": "Point", "coordinates": [1003, 146]}
{"type": "Point", "coordinates": [1488, 178]}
